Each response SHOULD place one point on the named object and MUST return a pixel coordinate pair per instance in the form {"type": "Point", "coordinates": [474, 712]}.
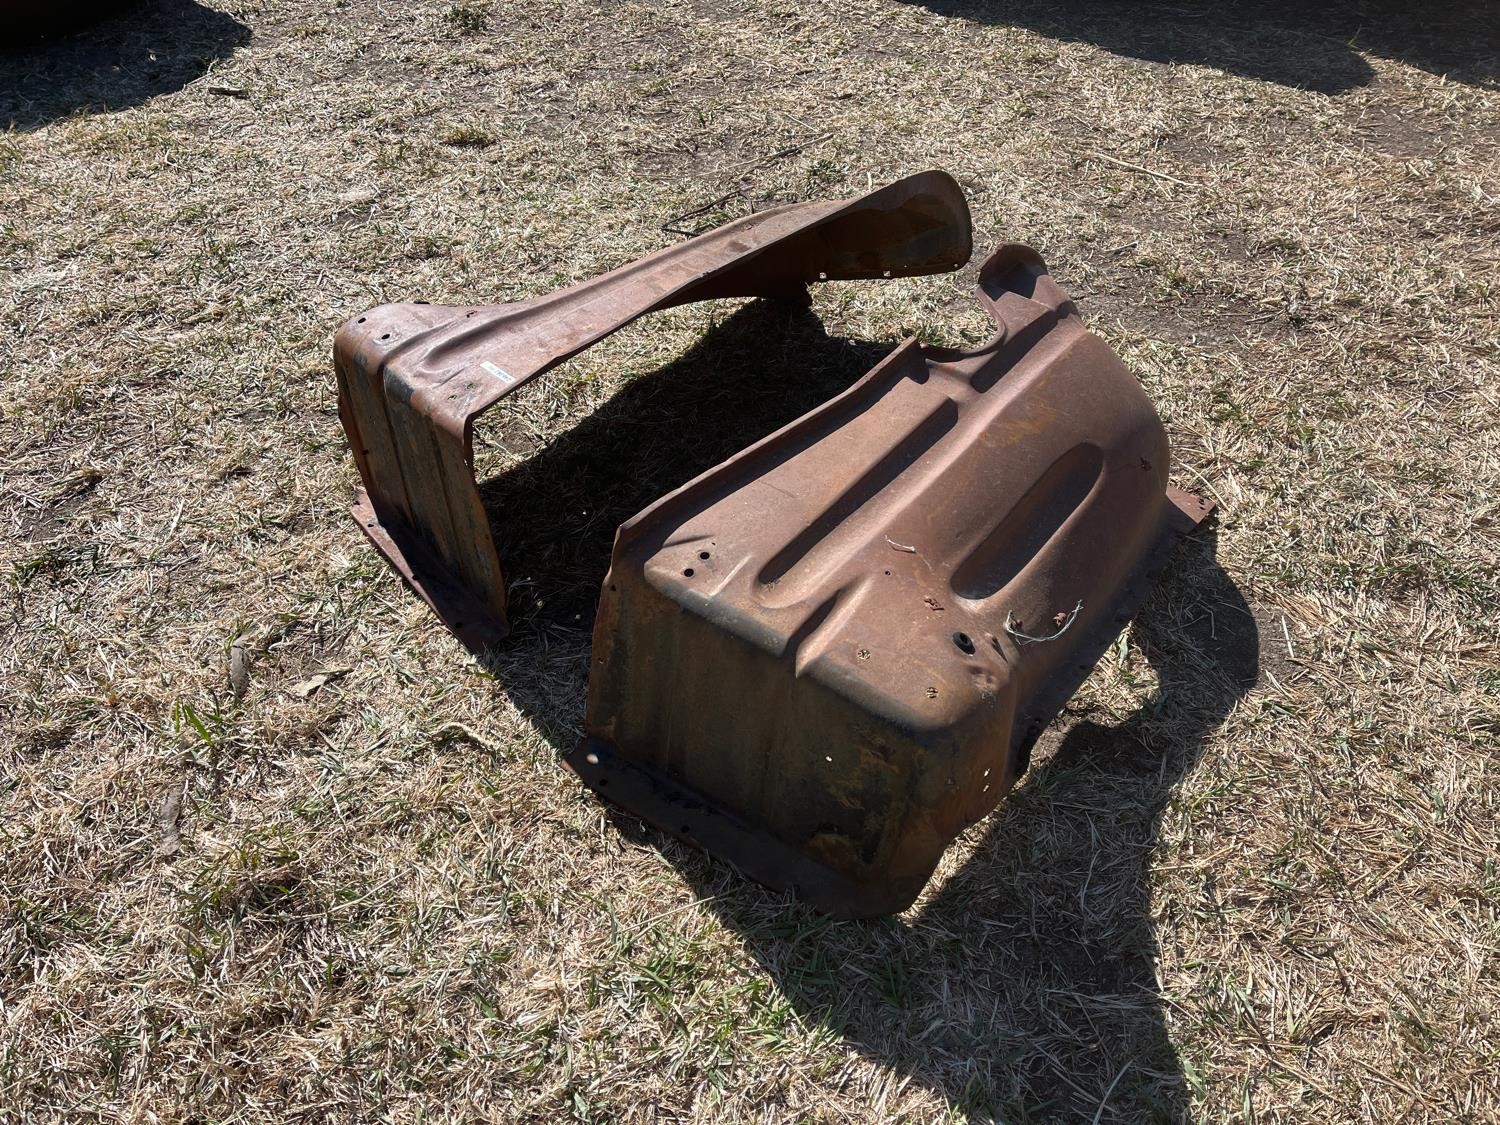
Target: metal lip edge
{"type": "Point", "coordinates": [690, 817]}
{"type": "Point", "coordinates": [476, 628]}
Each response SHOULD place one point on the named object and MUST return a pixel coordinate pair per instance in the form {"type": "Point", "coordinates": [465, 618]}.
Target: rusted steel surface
{"type": "Point", "coordinates": [413, 377]}
{"type": "Point", "coordinates": [824, 658]}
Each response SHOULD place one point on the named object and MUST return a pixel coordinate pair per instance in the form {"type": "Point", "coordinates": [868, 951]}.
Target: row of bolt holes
{"type": "Point", "coordinates": [387, 336]}
{"type": "Point", "coordinates": [704, 555]}
{"type": "Point", "coordinates": [362, 319]}
{"type": "Point", "coordinates": [963, 641]}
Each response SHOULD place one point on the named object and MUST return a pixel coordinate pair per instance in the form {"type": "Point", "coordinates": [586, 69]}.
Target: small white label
{"type": "Point", "coordinates": [499, 372]}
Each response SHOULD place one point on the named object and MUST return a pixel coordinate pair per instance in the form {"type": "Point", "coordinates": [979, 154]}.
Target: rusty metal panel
{"type": "Point", "coordinates": [413, 377]}
{"type": "Point", "coordinates": [824, 658]}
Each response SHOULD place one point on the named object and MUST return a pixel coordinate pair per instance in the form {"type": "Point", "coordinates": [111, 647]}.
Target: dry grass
{"type": "Point", "coordinates": [1252, 876]}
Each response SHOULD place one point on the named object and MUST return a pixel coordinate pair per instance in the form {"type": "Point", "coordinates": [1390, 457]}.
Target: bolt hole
{"type": "Point", "coordinates": [688, 573]}
{"type": "Point", "coordinates": [603, 781]}
{"type": "Point", "coordinates": [965, 645]}
{"type": "Point", "coordinates": [361, 320]}
{"type": "Point", "coordinates": [591, 759]}
{"type": "Point", "coordinates": [887, 273]}
{"type": "Point", "coordinates": [387, 336]}
{"type": "Point", "coordinates": [887, 573]}
{"type": "Point", "coordinates": [822, 276]}
{"type": "Point", "coordinates": [703, 554]}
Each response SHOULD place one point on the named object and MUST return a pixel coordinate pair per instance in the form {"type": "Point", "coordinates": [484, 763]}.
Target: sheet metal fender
{"type": "Point", "coordinates": [825, 657]}
{"type": "Point", "coordinates": [413, 377]}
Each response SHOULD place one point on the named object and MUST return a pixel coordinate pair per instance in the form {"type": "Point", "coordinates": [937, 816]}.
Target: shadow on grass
{"type": "Point", "coordinates": [144, 50]}
{"type": "Point", "coordinates": [1313, 46]}
{"type": "Point", "coordinates": [555, 514]}
{"type": "Point", "coordinates": [1024, 987]}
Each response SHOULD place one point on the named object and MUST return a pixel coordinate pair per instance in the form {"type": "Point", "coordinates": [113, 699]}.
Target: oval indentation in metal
{"type": "Point", "coordinates": [1022, 532]}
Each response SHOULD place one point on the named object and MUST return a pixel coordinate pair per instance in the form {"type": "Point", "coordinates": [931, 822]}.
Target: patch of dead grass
{"type": "Point", "coordinates": [1227, 889]}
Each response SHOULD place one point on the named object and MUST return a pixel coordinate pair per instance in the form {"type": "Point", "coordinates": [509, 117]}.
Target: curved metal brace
{"type": "Point", "coordinates": [413, 377]}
